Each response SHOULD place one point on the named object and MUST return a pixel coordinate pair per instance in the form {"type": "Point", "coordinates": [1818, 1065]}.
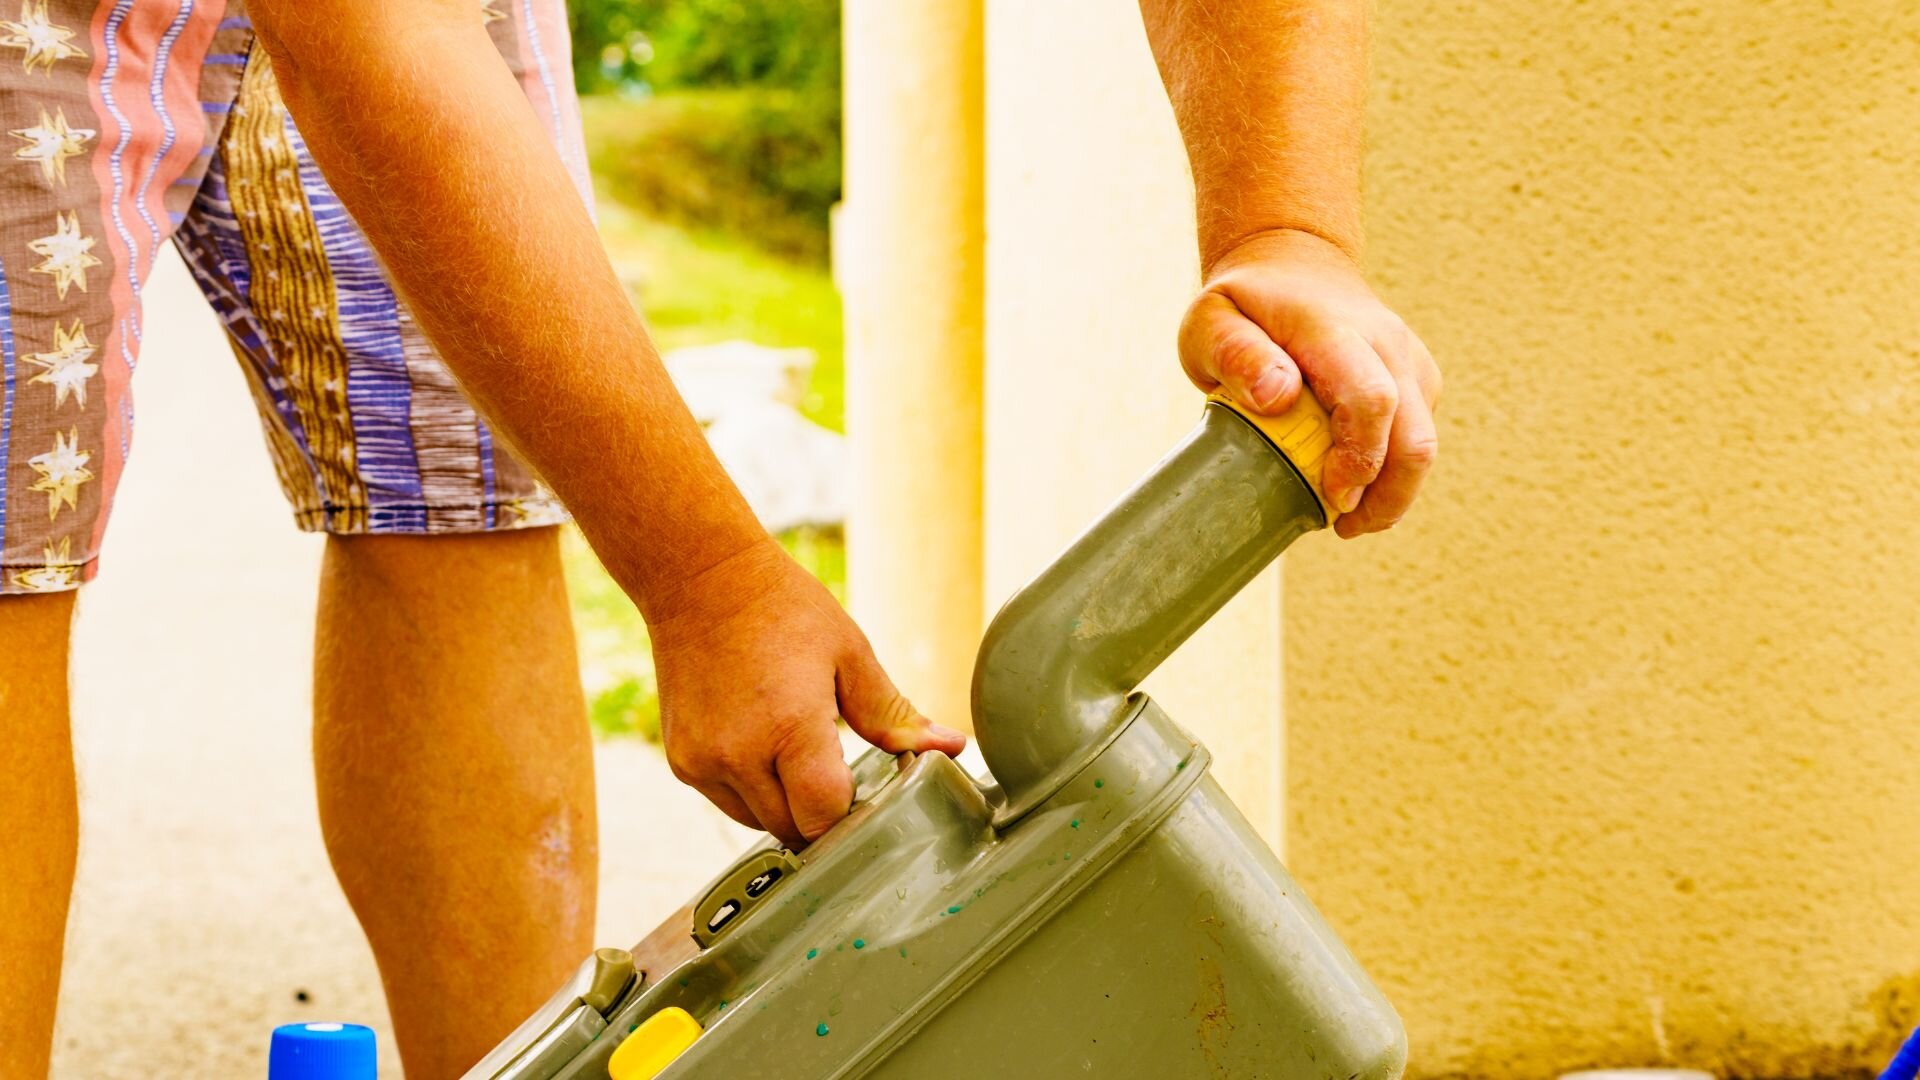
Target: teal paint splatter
{"type": "Point", "coordinates": [820, 1029]}
{"type": "Point", "coordinates": [1074, 824]}
{"type": "Point", "coordinates": [859, 943]}
{"type": "Point", "coordinates": [633, 1027]}
{"type": "Point", "coordinates": [1068, 855]}
{"type": "Point", "coordinates": [811, 953]}
{"type": "Point", "coordinates": [1099, 783]}
{"type": "Point", "coordinates": [903, 952]}
{"type": "Point", "coordinates": [683, 982]}
{"type": "Point", "coordinates": [954, 910]}
{"type": "Point", "coordinates": [722, 1007]}
{"type": "Point", "coordinates": [1180, 766]}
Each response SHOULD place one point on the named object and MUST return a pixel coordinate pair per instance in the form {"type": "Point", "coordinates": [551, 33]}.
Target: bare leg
{"type": "Point", "coordinates": [455, 774]}
{"type": "Point", "coordinates": [39, 824]}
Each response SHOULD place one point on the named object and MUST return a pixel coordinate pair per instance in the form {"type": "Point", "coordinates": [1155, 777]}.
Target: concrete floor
{"type": "Point", "coordinates": [205, 903]}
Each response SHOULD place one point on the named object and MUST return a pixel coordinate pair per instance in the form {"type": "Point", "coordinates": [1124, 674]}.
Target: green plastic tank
{"type": "Point", "coordinates": [1096, 907]}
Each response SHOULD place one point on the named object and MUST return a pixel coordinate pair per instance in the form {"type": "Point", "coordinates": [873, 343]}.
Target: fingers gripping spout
{"type": "Point", "coordinates": [1221, 347]}
{"type": "Point", "coordinates": [1361, 399]}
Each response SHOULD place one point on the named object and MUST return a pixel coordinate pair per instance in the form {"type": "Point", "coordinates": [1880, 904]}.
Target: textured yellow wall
{"type": "Point", "coordinates": [1611, 754]}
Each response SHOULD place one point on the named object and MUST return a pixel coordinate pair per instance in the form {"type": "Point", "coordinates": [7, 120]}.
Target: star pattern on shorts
{"type": "Point", "coordinates": [58, 571]}
{"type": "Point", "coordinates": [534, 513]}
{"type": "Point", "coordinates": [67, 368]}
{"type": "Point", "coordinates": [67, 253]}
{"type": "Point", "coordinates": [44, 42]}
{"type": "Point", "coordinates": [62, 470]}
{"type": "Point", "coordinates": [51, 142]}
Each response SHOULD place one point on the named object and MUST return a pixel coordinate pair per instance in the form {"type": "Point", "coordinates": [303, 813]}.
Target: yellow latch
{"type": "Point", "coordinates": [653, 1045]}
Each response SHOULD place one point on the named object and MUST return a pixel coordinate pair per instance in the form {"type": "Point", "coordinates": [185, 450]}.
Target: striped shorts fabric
{"type": "Point", "coordinates": [135, 122]}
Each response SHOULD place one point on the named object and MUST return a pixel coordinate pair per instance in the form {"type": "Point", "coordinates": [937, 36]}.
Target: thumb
{"type": "Point", "coordinates": [879, 713]}
{"type": "Point", "coordinates": [1221, 347]}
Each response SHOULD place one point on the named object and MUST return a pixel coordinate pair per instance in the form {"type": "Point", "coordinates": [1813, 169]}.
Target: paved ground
{"type": "Point", "coordinates": [205, 904]}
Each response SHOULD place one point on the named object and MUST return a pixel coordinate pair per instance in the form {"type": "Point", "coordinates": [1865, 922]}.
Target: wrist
{"type": "Point", "coordinates": [709, 588]}
{"type": "Point", "coordinates": [1286, 242]}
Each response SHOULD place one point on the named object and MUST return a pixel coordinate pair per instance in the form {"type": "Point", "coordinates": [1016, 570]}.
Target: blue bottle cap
{"type": "Point", "coordinates": [322, 1052]}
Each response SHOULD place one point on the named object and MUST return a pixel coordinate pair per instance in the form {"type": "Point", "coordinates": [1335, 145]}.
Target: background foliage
{"type": "Point", "coordinates": [721, 114]}
{"type": "Point", "coordinates": [713, 130]}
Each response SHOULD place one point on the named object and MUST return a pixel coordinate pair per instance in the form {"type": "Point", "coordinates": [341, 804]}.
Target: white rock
{"type": "Point", "coordinates": [716, 378]}
{"type": "Point", "coordinates": [792, 470]}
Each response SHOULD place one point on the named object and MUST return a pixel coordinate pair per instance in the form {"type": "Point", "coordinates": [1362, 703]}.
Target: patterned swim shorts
{"type": "Point", "coordinates": [134, 122]}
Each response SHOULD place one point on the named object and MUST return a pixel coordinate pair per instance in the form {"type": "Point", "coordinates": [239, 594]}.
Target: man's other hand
{"type": "Point", "coordinates": [1285, 303]}
{"type": "Point", "coordinates": [756, 660]}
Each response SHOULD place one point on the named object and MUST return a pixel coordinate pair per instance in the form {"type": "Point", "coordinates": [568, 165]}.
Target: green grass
{"type": "Point", "coordinates": [700, 287]}
{"type": "Point", "coordinates": [697, 287]}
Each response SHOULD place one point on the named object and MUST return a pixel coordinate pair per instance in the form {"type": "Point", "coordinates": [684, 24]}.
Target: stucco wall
{"type": "Point", "coordinates": [1612, 752]}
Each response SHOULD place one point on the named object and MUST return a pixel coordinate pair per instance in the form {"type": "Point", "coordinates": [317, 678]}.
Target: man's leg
{"type": "Point", "coordinates": [455, 773]}
{"type": "Point", "coordinates": [39, 824]}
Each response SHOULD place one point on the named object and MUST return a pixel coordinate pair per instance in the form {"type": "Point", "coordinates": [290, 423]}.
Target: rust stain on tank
{"type": "Point", "coordinates": [1213, 1019]}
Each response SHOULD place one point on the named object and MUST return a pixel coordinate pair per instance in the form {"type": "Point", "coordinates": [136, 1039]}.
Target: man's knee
{"type": "Point", "coordinates": [34, 625]}
{"type": "Point", "coordinates": [34, 633]}
{"type": "Point", "coordinates": [474, 562]}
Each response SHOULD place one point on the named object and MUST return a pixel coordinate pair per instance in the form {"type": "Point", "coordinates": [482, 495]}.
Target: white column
{"type": "Point", "coordinates": [908, 261]}
{"type": "Point", "coordinates": [1090, 263]}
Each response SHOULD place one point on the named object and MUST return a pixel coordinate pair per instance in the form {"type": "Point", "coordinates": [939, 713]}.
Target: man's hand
{"type": "Point", "coordinates": [755, 662]}
{"type": "Point", "coordinates": [754, 658]}
{"type": "Point", "coordinates": [1285, 303]}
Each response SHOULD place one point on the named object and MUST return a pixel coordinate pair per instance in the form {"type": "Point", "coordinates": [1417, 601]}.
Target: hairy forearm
{"type": "Point", "coordinates": [429, 142]}
{"type": "Point", "coordinates": [1269, 95]}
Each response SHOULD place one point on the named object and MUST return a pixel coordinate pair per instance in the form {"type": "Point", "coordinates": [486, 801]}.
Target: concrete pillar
{"type": "Point", "coordinates": [1090, 264]}
{"type": "Point", "coordinates": [908, 261]}
{"type": "Point", "coordinates": [1609, 755]}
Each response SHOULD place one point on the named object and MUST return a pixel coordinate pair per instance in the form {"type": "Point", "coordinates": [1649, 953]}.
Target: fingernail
{"type": "Point", "coordinates": [1346, 500]}
{"type": "Point", "coordinates": [1267, 388]}
{"type": "Point", "coordinates": [945, 732]}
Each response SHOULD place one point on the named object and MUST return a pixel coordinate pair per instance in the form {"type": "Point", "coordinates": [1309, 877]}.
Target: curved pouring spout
{"type": "Point", "coordinates": [1051, 684]}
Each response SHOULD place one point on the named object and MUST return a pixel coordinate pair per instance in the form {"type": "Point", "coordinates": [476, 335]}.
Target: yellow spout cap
{"type": "Point", "coordinates": [1304, 433]}
{"type": "Point", "coordinates": [653, 1045]}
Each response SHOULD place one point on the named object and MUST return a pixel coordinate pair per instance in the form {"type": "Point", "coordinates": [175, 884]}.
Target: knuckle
{"type": "Point", "coordinates": [731, 759]}
{"type": "Point", "coordinates": [1240, 356]}
{"type": "Point", "coordinates": [897, 712]}
{"type": "Point", "coordinates": [687, 767]}
{"type": "Point", "coordinates": [1420, 451]}
{"type": "Point", "coordinates": [1374, 397]}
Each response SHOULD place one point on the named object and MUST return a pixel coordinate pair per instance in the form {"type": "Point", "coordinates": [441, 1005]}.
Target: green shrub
{"type": "Point", "coordinates": [670, 45]}
{"type": "Point", "coordinates": [759, 163]}
{"type": "Point", "coordinates": [630, 707]}
{"type": "Point", "coordinates": [721, 114]}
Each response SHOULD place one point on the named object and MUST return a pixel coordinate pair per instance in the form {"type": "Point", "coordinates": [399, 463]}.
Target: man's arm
{"type": "Point", "coordinates": [1269, 95]}
{"type": "Point", "coordinates": [429, 142]}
